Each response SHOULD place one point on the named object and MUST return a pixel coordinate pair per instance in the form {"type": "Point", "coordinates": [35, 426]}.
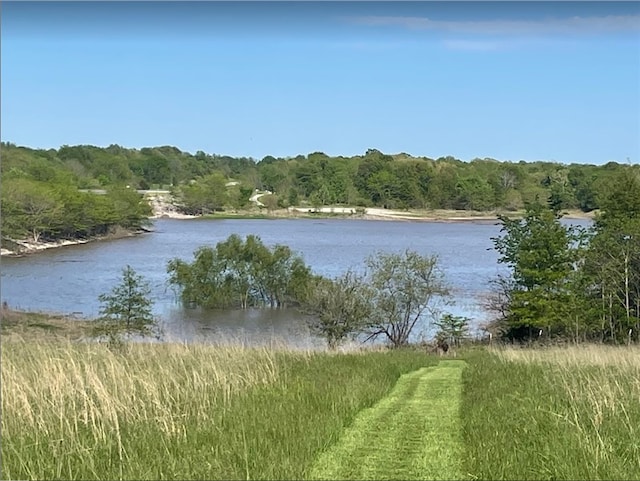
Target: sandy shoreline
{"type": "Point", "coordinates": [173, 215]}
{"type": "Point", "coordinates": [30, 247]}
{"type": "Point", "coordinates": [163, 208]}
{"type": "Point", "coordinates": [436, 215]}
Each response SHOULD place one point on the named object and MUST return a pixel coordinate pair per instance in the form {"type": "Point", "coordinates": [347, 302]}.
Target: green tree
{"type": "Point", "coordinates": [241, 273]}
{"type": "Point", "coordinates": [613, 259]}
{"type": "Point", "coordinates": [561, 193]}
{"type": "Point", "coordinates": [339, 307]}
{"type": "Point", "coordinates": [406, 287]}
{"type": "Point", "coordinates": [129, 207]}
{"type": "Point", "coordinates": [127, 310]}
{"type": "Point", "coordinates": [443, 186]}
{"type": "Point", "coordinates": [239, 196]}
{"type": "Point", "coordinates": [154, 165]}
{"type": "Point", "coordinates": [293, 198]}
{"type": "Point", "coordinates": [411, 184]}
{"type": "Point", "coordinates": [474, 194]}
{"type": "Point", "coordinates": [284, 278]}
{"type": "Point", "coordinates": [203, 282]}
{"type": "Point", "coordinates": [30, 208]}
{"type": "Point", "coordinates": [541, 254]}
{"type": "Point", "coordinates": [204, 195]}
{"type": "Point", "coordinates": [372, 178]}
{"type": "Point", "coordinates": [382, 187]}
{"type": "Point", "coordinates": [274, 175]}
{"type": "Point", "coordinates": [452, 329]}
{"type": "Point", "coordinates": [270, 201]}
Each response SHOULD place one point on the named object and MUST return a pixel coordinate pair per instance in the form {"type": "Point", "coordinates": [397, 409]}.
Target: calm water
{"type": "Point", "coordinates": [70, 279]}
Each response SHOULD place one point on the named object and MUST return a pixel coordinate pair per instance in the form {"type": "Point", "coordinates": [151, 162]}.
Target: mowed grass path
{"type": "Point", "coordinates": [413, 433]}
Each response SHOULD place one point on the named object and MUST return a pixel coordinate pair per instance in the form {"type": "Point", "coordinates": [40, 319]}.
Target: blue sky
{"type": "Point", "coordinates": [508, 80]}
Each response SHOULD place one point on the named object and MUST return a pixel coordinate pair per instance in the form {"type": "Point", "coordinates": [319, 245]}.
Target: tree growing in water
{"type": "Point", "coordinates": [243, 274]}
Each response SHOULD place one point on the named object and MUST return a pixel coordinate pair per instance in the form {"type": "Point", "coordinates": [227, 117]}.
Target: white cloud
{"type": "Point", "coordinates": [572, 25]}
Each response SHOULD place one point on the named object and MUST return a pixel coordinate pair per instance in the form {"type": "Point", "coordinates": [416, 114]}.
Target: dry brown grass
{"type": "Point", "coordinates": [622, 357]}
{"type": "Point", "coordinates": [89, 384]}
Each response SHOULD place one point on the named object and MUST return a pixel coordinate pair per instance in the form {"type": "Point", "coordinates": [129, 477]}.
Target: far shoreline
{"type": "Point", "coordinates": [324, 213]}
{"type": "Point", "coordinates": [378, 214]}
{"type": "Point", "coordinates": [29, 247]}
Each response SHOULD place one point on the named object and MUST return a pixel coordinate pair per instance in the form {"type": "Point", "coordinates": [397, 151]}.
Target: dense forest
{"type": "Point", "coordinates": [43, 190]}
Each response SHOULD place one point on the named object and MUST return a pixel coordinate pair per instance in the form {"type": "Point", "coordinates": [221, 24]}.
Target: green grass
{"type": "Point", "coordinates": [163, 411]}
{"type": "Point", "coordinates": [76, 410]}
{"type": "Point", "coordinates": [563, 413]}
{"type": "Point", "coordinates": [413, 433]}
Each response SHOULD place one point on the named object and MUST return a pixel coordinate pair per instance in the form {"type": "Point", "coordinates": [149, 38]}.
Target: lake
{"type": "Point", "coordinates": [69, 280]}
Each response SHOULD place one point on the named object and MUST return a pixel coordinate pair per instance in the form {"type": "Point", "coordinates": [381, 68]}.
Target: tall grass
{"type": "Point", "coordinates": [170, 411]}
{"type": "Point", "coordinates": [560, 413]}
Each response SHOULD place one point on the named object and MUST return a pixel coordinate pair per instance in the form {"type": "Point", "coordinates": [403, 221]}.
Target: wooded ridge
{"type": "Point", "coordinates": [44, 191]}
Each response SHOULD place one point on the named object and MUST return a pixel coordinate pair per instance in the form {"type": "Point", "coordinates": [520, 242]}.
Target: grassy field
{"type": "Point", "coordinates": [77, 410]}
{"type": "Point", "coordinates": [558, 413]}
{"type": "Point", "coordinates": [80, 411]}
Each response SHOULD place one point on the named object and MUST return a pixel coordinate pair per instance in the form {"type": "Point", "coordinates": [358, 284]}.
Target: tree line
{"type": "Point", "coordinates": [207, 182]}
{"type": "Point", "coordinates": [37, 210]}
{"type": "Point", "coordinates": [44, 198]}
